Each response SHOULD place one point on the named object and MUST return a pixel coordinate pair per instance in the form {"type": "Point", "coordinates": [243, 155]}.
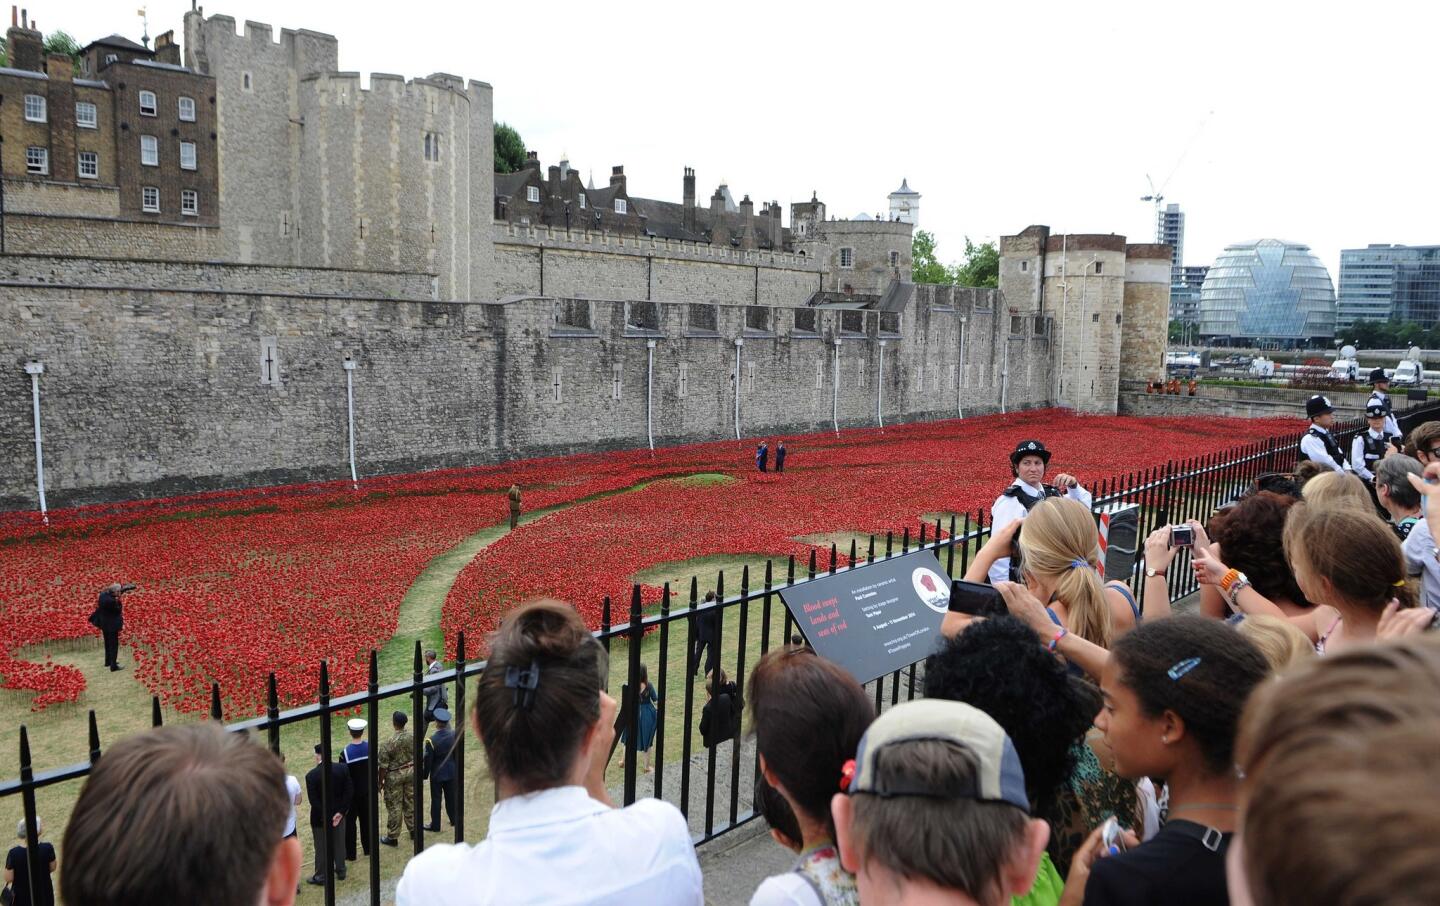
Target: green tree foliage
{"type": "Point", "coordinates": [981, 267]}
{"type": "Point", "coordinates": [61, 42]}
{"type": "Point", "coordinates": [509, 149]}
{"type": "Point", "coordinates": [1392, 334]}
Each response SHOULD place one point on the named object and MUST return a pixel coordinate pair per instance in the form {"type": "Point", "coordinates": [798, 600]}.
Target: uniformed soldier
{"type": "Point", "coordinates": [440, 764]}
{"type": "Point", "coordinates": [1380, 393]}
{"type": "Point", "coordinates": [397, 780]}
{"type": "Point", "coordinates": [1318, 444]}
{"type": "Point", "coordinates": [514, 495]}
{"type": "Point", "coordinates": [1028, 464]}
{"type": "Point", "coordinates": [357, 760]}
{"type": "Point", "coordinates": [1373, 445]}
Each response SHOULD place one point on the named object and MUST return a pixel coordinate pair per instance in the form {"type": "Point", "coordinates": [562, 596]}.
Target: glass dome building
{"type": "Point", "coordinates": [1268, 293]}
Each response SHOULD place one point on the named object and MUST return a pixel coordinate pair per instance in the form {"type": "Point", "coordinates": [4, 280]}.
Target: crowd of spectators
{"type": "Point", "coordinates": [1275, 746]}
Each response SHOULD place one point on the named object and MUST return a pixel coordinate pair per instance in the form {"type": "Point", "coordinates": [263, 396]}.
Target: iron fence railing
{"type": "Point", "coordinates": [1191, 488]}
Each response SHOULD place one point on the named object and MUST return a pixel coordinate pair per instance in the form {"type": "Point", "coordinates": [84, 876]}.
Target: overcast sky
{"type": "Point", "coordinates": [1314, 122]}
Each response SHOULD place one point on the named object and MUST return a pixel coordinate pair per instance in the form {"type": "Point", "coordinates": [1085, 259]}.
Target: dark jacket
{"type": "Point", "coordinates": [717, 719]}
{"type": "Point", "coordinates": [441, 755]}
{"type": "Point", "coordinates": [108, 616]}
{"type": "Point", "coordinates": [707, 623]}
{"type": "Point", "coordinates": [340, 792]}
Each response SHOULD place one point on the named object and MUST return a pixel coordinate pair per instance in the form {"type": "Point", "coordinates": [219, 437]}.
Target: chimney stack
{"type": "Point", "coordinates": [166, 50]}
{"type": "Point", "coordinates": [532, 161]}
{"type": "Point", "coordinates": [554, 181]}
{"type": "Point", "coordinates": [689, 199]}
{"type": "Point", "coordinates": [617, 177]}
{"type": "Point", "coordinates": [25, 46]}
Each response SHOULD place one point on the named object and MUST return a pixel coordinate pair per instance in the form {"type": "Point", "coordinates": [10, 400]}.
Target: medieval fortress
{"type": "Point", "coordinates": [215, 248]}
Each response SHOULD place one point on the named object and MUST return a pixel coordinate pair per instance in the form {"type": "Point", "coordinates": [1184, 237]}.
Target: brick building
{"type": "Point", "coordinates": [129, 137]}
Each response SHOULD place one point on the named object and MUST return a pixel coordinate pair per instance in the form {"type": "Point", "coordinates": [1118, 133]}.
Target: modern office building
{"type": "Point", "coordinates": [1170, 230]}
{"type": "Point", "coordinates": [1267, 293]}
{"type": "Point", "coordinates": [1185, 294]}
{"type": "Point", "coordinates": [1381, 282]}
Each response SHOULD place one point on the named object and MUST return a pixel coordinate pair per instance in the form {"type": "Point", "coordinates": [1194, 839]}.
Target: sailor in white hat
{"type": "Point", "coordinates": [357, 761]}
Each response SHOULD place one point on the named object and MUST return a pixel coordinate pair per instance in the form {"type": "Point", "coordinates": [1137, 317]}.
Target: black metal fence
{"type": "Point", "coordinates": [1191, 488]}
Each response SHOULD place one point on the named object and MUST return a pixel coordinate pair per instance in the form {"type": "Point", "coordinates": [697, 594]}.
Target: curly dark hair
{"type": "Point", "coordinates": [997, 666]}
{"type": "Point", "coordinates": [1249, 534]}
{"type": "Point", "coordinates": [1209, 694]}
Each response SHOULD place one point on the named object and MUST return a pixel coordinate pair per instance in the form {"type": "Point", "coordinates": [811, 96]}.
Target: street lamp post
{"type": "Point", "coordinates": [35, 369]}
{"type": "Point", "coordinates": [349, 366]}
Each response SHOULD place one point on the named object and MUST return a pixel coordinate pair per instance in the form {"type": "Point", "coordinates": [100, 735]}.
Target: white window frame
{"type": "Point", "coordinates": [193, 208]}
{"type": "Point", "coordinates": [111, 58]}
{"type": "Point", "coordinates": [193, 158]}
{"type": "Point", "coordinates": [582, 201]}
{"type": "Point", "coordinates": [154, 151]}
{"type": "Point", "coordinates": [36, 110]}
{"type": "Point", "coordinates": [145, 204]}
{"type": "Point", "coordinates": [150, 109]}
{"type": "Point", "coordinates": [180, 105]}
{"type": "Point", "coordinates": [622, 206]}
{"type": "Point", "coordinates": [94, 161]}
{"type": "Point", "coordinates": [41, 161]}
{"type": "Point", "coordinates": [532, 194]}
{"type": "Point", "coordinates": [847, 258]}
{"type": "Point", "coordinates": [93, 122]}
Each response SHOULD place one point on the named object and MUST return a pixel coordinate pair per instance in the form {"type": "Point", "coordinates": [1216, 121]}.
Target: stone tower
{"type": "Point", "coordinates": [905, 204]}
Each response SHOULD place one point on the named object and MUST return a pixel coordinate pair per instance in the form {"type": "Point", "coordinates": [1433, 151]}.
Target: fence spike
{"type": "Point", "coordinates": [94, 738]}
{"type": "Point", "coordinates": [155, 717]}
{"type": "Point", "coordinates": [216, 713]}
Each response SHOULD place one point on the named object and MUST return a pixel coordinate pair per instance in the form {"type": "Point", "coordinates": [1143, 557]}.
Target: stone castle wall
{"type": "Point", "coordinates": [105, 237]}
{"type": "Point", "coordinates": [152, 391]}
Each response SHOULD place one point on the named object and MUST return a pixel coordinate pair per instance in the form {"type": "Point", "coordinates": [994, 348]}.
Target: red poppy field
{"type": "Point", "coordinates": [236, 585]}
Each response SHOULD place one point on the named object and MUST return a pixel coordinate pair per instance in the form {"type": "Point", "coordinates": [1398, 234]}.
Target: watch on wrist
{"type": "Point", "coordinates": [1151, 573]}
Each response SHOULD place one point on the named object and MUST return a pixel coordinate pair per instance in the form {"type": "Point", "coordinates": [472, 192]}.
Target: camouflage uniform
{"type": "Point", "coordinates": [397, 770]}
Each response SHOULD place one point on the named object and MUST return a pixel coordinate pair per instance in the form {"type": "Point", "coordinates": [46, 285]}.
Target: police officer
{"type": "Point", "coordinates": [1381, 394]}
{"type": "Point", "coordinates": [397, 779]}
{"type": "Point", "coordinates": [1318, 444]}
{"type": "Point", "coordinates": [1028, 464]}
{"type": "Point", "coordinates": [440, 762]}
{"type": "Point", "coordinates": [1373, 445]}
{"type": "Point", "coordinates": [357, 761]}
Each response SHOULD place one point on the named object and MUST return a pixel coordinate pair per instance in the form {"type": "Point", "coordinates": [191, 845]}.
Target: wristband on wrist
{"type": "Point", "coordinates": [1229, 579]}
{"type": "Point", "coordinates": [1234, 591]}
{"type": "Point", "coordinates": [1056, 641]}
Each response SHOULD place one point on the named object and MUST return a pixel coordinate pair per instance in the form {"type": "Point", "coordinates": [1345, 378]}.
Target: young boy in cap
{"type": "Point", "coordinates": [1318, 445]}
{"type": "Point", "coordinates": [1373, 445]}
{"type": "Point", "coordinates": [1028, 464]}
{"type": "Point", "coordinates": [933, 809]}
{"type": "Point", "coordinates": [1380, 393]}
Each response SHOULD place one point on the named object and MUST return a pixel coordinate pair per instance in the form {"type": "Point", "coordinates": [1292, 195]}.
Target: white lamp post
{"type": "Point", "coordinates": [739, 345]}
{"type": "Point", "coordinates": [349, 366]}
{"type": "Point", "coordinates": [35, 369]}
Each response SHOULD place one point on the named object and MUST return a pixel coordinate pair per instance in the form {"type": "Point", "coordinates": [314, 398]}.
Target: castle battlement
{"type": "Point", "coordinates": [537, 235]}
{"type": "Point", "coordinates": [355, 81]}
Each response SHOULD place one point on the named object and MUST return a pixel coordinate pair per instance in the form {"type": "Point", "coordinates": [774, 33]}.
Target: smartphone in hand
{"type": "Point", "coordinates": [976, 599]}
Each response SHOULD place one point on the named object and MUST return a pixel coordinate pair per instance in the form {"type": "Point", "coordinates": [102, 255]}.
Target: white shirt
{"type": "Point", "coordinates": [789, 889]}
{"type": "Point", "coordinates": [1357, 454]}
{"type": "Point", "coordinates": [1007, 509]}
{"type": "Point", "coordinates": [1420, 561]}
{"type": "Point", "coordinates": [1314, 448]}
{"type": "Point", "coordinates": [292, 790]}
{"type": "Point", "coordinates": [559, 846]}
{"type": "Point", "coordinates": [1391, 425]}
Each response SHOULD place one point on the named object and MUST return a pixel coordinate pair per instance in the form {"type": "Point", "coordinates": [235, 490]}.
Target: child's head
{"type": "Point", "coordinates": [1345, 556]}
{"type": "Point", "coordinates": [1280, 640]}
{"type": "Point", "coordinates": [1337, 488]}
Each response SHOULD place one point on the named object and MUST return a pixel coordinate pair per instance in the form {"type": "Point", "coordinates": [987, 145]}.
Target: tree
{"type": "Point", "coordinates": [981, 268]}
{"type": "Point", "coordinates": [924, 267]}
{"type": "Point", "coordinates": [509, 149]}
{"type": "Point", "coordinates": [61, 42]}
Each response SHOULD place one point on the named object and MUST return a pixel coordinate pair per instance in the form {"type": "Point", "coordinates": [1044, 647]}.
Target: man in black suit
{"type": "Point", "coordinates": [440, 759]}
{"type": "Point", "coordinates": [329, 830]}
{"type": "Point", "coordinates": [109, 620]}
{"type": "Point", "coordinates": [706, 640]}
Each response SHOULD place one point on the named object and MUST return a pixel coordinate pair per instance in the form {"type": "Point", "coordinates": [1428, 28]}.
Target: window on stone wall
{"type": "Point", "coordinates": [819, 374]}
{"type": "Point", "coordinates": [572, 313]}
{"type": "Point", "coordinates": [557, 383]}
{"type": "Point", "coordinates": [1117, 320]}
{"type": "Point", "coordinates": [852, 322]}
{"type": "Point", "coordinates": [684, 388]}
{"type": "Point", "coordinates": [37, 160]}
{"type": "Point", "coordinates": [615, 382]}
{"type": "Point", "coordinates": [702, 318]}
{"type": "Point", "coordinates": [147, 103]}
{"type": "Point", "coordinates": [185, 109]}
{"type": "Point", "coordinates": [582, 201]}
{"type": "Point", "coordinates": [1017, 326]}
{"type": "Point", "coordinates": [35, 108]}
{"type": "Point", "coordinates": [189, 202]}
{"type": "Point", "coordinates": [1024, 266]}
{"type": "Point", "coordinates": [85, 116]}
{"type": "Point", "coordinates": [87, 165]}
{"type": "Point", "coordinates": [269, 360]}
{"type": "Point", "coordinates": [890, 322]}
{"type": "Point", "coordinates": [642, 316]}
{"type": "Point", "coordinates": [532, 194]}
{"type": "Point", "coordinates": [284, 224]}
{"type": "Point", "coordinates": [622, 206]}
{"type": "Point", "coordinates": [847, 257]}
{"type": "Point", "coordinates": [1095, 318]}
{"type": "Point", "coordinates": [860, 373]}
{"type": "Point", "coordinates": [757, 318]}
{"type": "Point", "coordinates": [432, 147]}
{"type": "Point", "coordinates": [1099, 267]}
{"type": "Point", "coordinates": [187, 155]}
{"type": "Point", "coordinates": [953, 372]}
{"type": "Point", "coordinates": [894, 259]}
{"type": "Point", "coordinates": [247, 83]}
{"type": "Point", "coordinates": [1042, 326]}
{"type": "Point", "coordinates": [150, 199]}
{"type": "Point", "coordinates": [149, 151]}
{"type": "Point", "coordinates": [806, 320]}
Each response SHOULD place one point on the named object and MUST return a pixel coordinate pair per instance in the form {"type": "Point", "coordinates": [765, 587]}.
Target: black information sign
{"type": "Point", "coordinates": [876, 618]}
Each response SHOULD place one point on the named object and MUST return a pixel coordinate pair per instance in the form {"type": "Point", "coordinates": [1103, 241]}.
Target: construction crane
{"type": "Point", "coordinates": [1157, 196]}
